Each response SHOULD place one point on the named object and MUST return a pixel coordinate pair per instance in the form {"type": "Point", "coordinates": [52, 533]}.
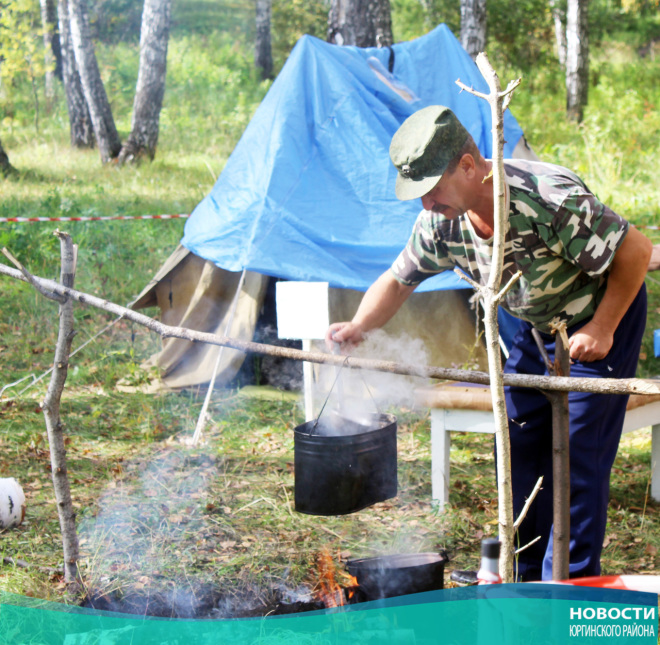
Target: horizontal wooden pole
{"type": "Point", "coordinates": [552, 383]}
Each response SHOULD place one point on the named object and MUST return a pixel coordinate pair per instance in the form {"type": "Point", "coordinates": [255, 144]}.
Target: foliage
{"type": "Point", "coordinates": [21, 48]}
{"type": "Point", "coordinates": [191, 17]}
{"type": "Point", "coordinates": [115, 20]}
{"type": "Point", "coordinates": [413, 18]}
{"type": "Point", "coordinates": [520, 33]}
{"type": "Point", "coordinates": [292, 19]}
{"type": "Point", "coordinates": [636, 22]}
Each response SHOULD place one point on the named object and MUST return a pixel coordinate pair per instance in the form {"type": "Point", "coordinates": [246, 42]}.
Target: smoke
{"type": "Point", "coordinates": [145, 518]}
{"type": "Point", "coordinates": [358, 395]}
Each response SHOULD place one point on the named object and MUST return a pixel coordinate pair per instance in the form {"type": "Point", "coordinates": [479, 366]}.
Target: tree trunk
{"type": "Point", "coordinates": [48, 24]}
{"type": "Point", "coordinates": [263, 55]}
{"type": "Point", "coordinates": [5, 167]}
{"type": "Point", "coordinates": [150, 88]}
{"type": "Point", "coordinates": [364, 23]}
{"type": "Point", "coordinates": [561, 468]}
{"type": "Point", "coordinates": [103, 124]}
{"type": "Point", "coordinates": [80, 122]}
{"type": "Point", "coordinates": [473, 26]}
{"type": "Point", "coordinates": [559, 19]}
{"type": "Point", "coordinates": [577, 59]}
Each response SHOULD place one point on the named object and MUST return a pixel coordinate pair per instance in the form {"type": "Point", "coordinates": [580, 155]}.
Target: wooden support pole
{"type": "Point", "coordinates": [561, 469]}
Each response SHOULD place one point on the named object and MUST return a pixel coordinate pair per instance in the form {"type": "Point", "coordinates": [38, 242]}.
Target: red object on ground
{"type": "Point", "coordinates": [650, 584]}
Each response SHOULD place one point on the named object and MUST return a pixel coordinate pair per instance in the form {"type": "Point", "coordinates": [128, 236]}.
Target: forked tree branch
{"type": "Point", "coordinates": [491, 295]}
{"type": "Point", "coordinates": [51, 410]}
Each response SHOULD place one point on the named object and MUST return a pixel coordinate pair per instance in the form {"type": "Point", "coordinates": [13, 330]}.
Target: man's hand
{"type": "Point", "coordinates": [343, 333]}
{"type": "Point", "coordinates": [590, 343]}
{"type": "Point", "coordinates": [381, 301]}
{"type": "Point", "coordinates": [628, 270]}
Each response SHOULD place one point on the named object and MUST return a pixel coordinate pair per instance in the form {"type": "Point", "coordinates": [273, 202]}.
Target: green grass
{"type": "Point", "coordinates": [222, 513]}
{"type": "Point", "coordinates": [153, 511]}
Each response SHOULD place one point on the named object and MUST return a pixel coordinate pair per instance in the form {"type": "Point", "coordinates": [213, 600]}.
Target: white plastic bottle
{"type": "Point", "coordinates": [489, 572]}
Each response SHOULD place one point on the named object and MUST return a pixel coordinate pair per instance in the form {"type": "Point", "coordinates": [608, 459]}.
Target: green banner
{"type": "Point", "coordinates": [488, 615]}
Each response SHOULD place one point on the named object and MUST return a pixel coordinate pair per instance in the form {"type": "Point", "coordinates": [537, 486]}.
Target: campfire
{"type": "Point", "coordinates": [330, 585]}
{"type": "Point", "coordinates": [335, 587]}
{"type": "Point", "coordinates": [378, 577]}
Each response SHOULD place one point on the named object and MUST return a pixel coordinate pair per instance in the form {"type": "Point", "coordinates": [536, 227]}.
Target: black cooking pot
{"type": "Point", "coordinates": [343, 467]}
{"type": "Point", "coordinates": [397, 575]}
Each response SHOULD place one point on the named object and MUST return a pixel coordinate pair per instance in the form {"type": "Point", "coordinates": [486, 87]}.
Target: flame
{"type": "Point", "coordinates": [328, 588]}
{"type": "Point", "coordinates": [353, 582]}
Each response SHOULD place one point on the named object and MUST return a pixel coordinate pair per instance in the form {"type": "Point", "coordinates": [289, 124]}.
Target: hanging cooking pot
{"type": "Point", "coordinates": [343, 466]}
{"type": "Point", "coordinates": [400, 574]}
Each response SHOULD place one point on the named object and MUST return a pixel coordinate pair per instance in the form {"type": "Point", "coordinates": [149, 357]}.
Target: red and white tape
{"type": "Point", "coordinates": [89, 219]}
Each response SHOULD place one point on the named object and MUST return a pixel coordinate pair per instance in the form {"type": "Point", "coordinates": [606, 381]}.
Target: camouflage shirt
{"type": "Point", "coordinates": [558, 234]}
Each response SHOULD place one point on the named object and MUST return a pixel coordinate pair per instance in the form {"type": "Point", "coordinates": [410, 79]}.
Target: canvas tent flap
{"type": "Point", "coordinates": [195, 294]}
{"type": "Point", "coordinates": [147, 297]}
{"type": "Point", "coordinates": [308, 193]}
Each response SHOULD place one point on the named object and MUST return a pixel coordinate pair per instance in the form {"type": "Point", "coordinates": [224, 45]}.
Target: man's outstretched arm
{"type": "Point", "coordinates": [381, 301]}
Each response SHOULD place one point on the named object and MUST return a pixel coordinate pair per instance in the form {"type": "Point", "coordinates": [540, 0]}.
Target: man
{"type": "Point", "coordinates": [581, 263]}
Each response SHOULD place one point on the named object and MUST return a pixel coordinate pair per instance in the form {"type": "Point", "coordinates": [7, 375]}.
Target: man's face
{"type": "Point", "coordinates": [447, 197]}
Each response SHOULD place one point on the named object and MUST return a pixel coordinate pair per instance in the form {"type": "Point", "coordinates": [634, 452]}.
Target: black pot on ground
{"type": "Point", "coordinates": [343, 469]}
{"type": "Point", "coordinates": [397, 575]}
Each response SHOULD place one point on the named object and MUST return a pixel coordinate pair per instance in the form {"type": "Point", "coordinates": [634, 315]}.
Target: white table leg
{"type": "Point", "coordinates": [440, 443]}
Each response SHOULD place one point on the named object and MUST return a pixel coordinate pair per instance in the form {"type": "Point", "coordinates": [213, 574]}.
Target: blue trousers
{"type": "Point", "coordinates": [596, 421]}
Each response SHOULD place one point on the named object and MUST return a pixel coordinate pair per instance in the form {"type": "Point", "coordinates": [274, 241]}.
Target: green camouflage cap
{"type": "Point", "coordinates": [422, 147]}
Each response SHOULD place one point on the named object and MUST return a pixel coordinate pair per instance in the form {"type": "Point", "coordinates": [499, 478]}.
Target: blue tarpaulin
{"type": "Point", "coordinates": [308, 193]}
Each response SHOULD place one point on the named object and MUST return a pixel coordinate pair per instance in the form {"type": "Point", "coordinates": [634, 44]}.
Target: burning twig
{"type": "Point", "coordinates": [328, 589]}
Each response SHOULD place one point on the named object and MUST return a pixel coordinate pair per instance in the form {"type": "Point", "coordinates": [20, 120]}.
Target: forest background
{"type": "Point", "coordinates": [218, 531]}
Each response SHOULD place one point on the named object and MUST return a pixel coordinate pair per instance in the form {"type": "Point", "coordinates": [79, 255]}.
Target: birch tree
{"type": "Point", "coordinates": [263, 53]}
{"type": "Point", "coordinates": [103, 124]}
{"type": "Point", "coordinates": [559, 22]}
{"type": "Point", "coordinates": [52, 53]}
{"type": "Point", "coordinates": [473, 26]}
{"type": "Point", "coordinates": [80, 121]}
{"type": "Point", "coordinates": [363, 23]}
{"type": "Point", "coordinates": [577, 58]}
{"type": "Point", "coordinates": [150, 89]}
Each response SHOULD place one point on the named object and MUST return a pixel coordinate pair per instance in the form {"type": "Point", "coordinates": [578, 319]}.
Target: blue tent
{"type": "Point", "coordinates": [308, 193]}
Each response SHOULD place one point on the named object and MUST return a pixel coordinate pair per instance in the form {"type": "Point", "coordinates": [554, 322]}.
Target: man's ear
{"type": "Point", "coordinates": [468, 165]}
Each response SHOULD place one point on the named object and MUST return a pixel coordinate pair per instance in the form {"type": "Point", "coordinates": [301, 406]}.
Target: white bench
{"type": "Point", "coordinates": [463, 407]}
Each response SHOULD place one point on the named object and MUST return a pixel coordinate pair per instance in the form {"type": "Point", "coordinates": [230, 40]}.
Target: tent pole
{"type": "Point", "coordinates": [201, 420]}
{"type": "Point", "coordinates": [308, 383]}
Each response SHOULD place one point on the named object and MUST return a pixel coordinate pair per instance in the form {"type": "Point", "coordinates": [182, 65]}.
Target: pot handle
{"type": "Point", "coordinates": [335, 350]}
